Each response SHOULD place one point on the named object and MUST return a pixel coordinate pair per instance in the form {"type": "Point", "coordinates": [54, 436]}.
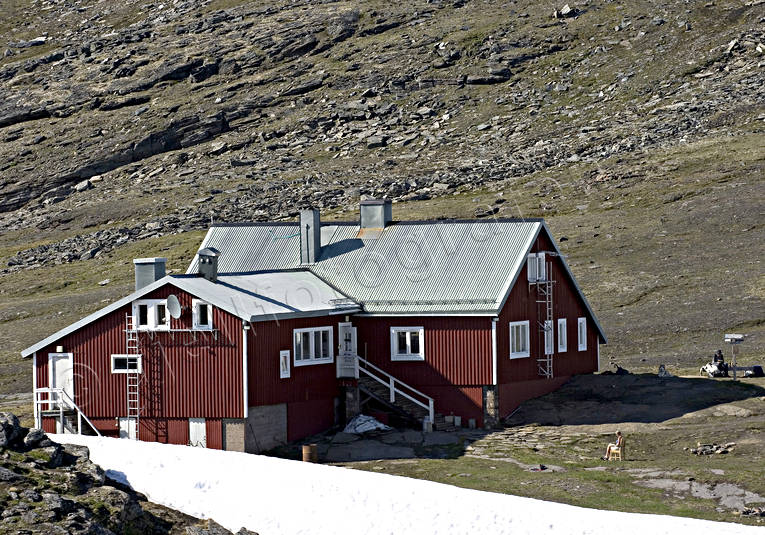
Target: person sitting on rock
{"type": "Point", "coordinates": [611, 446]}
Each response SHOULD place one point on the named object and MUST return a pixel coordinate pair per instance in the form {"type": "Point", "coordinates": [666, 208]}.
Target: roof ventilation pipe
{"type": "Point", "coordinates": [208, 263]}
{"type": "Point", "coordinates": [376, 213]}
{"type": "Point", "coordinates": [310, 236]}
{"type": "Point", "coordinates": [148, 271]}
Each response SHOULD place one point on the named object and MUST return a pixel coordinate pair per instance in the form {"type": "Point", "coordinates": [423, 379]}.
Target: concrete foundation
{"type": "Point", "coordinates": [265, 428]}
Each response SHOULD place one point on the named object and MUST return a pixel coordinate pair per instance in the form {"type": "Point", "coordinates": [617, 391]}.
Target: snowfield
{"type": "Point", "coordinates": [280, 497]}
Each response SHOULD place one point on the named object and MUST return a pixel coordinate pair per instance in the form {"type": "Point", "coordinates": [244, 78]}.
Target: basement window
{"type": "Point", "coordinates": [407, 343]}
{"type": "Point", "coordinates": [313, 346]}
{"type": "Point", "coordinates": [582, 330]}
{"type": "Point", "coordinates": [127, 364]}
{"type": "Point", "coordinates": [562, 336]}
{"type": "Point", "coordinates": [201, 316]}
{"type": "Point", "coordinates": [151, 315]}
{"type": "Point", "coordinates": [519, 339]}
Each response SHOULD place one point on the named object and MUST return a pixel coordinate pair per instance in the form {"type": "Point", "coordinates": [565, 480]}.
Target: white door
{"type": "Point", "coordinates": [127, 428]}
{"type": "Point", "coordinates": [197, 432]}
{"type": "Point", "coordinates": [347, 355]}
{"type": "Point", "coordinates": [60, 375]}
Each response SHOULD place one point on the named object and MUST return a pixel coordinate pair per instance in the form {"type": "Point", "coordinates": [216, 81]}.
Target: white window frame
{"type": "Point", "coordinates": [525, 352]}
{"type": "Point", "coordinates": [195, 304]}
{"type": "Point", "coordinates": [312, 359]}
{"type": "Point", "coordinates": [536, 267]}
{"type": "Point", "coordinates": [284, 364]}
{"type": "Point", "coordinates": [139, 368]}
{"type": "Point", "coordinates": [581, 330]}
{"type": "Point", "coordinates": [151, 315]}
{"type": "Point", "coordinates": [408, 356]}
{"type": "Point", "coordinates": [562, 336]}
{"type": "Point", "coordinates": [549, 338]}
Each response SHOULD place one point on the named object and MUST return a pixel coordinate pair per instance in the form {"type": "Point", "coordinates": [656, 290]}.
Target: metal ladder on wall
{"type": "Point", "coordinates": [132, 345]}
{"type": "Point", "coordinates": [545, 321]}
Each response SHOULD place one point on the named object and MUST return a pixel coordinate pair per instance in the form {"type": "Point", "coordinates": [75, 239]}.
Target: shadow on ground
{"type": "Point", "coordinates": [644, 398]}
{"type": "Point", "coordinates": [585, 400]}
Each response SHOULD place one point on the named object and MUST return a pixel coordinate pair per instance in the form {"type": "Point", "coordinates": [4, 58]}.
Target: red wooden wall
{"type": "Point", "coordinates": [185, 375]}
{"type": "Point", "coordinates": [309, 392]}
{"type": "Point", "coordinates": [518, 378]}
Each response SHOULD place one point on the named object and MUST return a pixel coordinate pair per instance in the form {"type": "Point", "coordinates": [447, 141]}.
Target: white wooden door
{"type": "Point", "coordinates": [61, 374]}
{"type": "Point", "coordinates": [197, 432]}
{"type": "Point", "coordinates": [347, 351]}
{"type": "Point", "coordinates": [127, 428]}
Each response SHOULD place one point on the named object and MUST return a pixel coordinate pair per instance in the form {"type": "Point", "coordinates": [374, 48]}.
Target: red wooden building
{"type": "Point", "coordinates": [280, 330]}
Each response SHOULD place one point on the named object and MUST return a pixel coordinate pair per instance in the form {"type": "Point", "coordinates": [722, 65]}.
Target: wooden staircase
{"type": "Point", "coordinates": [402, 399]}
{"type": "Point", "coordinates": [402, 406]}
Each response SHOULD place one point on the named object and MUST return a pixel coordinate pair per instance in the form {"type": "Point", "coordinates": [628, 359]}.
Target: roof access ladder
{"type": "Point", "coordinates": [544, 300]}
{"type": "Point", "coordinates": [133, 377]}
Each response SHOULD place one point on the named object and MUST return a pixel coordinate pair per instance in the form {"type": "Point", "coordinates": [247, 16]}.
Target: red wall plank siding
{"type": "Point", "coordinates": [466, 401]}
{"type": "Point", "coordinates": [511, 395]}
{"type": "Point", "coordinates": [214, 431]}
{"type": "Point", "coordinates": [184, 374]}
{"type": "Point", "coordinates": [514, 374]}
{"type": "Point", "coordinates": [457, 349]}
{"type": "Point", "coordinates": [306, 418]}
{"type": "Point", "coordinates": [306, 383]}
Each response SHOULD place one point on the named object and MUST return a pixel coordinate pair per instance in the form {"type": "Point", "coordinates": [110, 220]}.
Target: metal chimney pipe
{"type": "Point", "coordinates": [375, 213]}
{"type": "Point", "coordinates": [310, 236]}
{"type": "Point", "coordinates": [148, 270]}
{"type": "Point", "coordinates": [208, 263]}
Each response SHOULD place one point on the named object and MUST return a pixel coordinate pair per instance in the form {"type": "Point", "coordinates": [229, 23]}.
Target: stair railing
{"type": "Point", "coordinates": [58, 399]}
{"type": "Point", "coordinates": [394, 387]}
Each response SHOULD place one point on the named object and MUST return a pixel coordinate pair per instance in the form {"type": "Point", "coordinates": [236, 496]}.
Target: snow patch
{"type": "Point", "coordinates": [280, 497]}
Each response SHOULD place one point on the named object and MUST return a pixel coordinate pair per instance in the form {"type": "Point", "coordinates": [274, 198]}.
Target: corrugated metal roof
{"type": "Point", "coordinates": [249, 296]}
{"type": "Point", "coordinates": [268, 296]}
{"type": "Point", "coordinates": [411, 267]}
{"type": "Point", "coordinates": [433, 267]}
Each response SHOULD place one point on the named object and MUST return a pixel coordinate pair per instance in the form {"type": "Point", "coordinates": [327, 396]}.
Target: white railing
{"type": "Point", "coordinates": [57, 399]}
{"type": "Point", "coordinates": [391, 383]}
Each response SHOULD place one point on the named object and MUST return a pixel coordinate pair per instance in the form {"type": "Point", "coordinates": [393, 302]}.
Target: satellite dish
{"type": "Point", "coordinates": [173, 306]}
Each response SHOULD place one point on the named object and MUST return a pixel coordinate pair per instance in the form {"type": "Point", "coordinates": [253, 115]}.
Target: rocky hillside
{"type": "Point", "coordinates": [47, 488]}
{"type": "Point", "coordinates": [125, 121]}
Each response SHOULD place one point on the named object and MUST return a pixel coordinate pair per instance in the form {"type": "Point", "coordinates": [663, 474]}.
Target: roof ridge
{"type": "Point", "coordinates": [392, 223]}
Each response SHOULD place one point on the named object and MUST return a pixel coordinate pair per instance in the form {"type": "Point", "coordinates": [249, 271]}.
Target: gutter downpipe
{"type": "Point", "coordinates": [245, 409]}
{"type": "Point", "coordinates": [494, 371]}
{"type": "Point", "coordinates": [38, 424]}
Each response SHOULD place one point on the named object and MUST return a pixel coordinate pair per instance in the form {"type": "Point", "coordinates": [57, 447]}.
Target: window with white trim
{"type": "Point", "coordinates": [127, 364]}
{"type": "Point", "coordinates": [313, 346]}
{"type": "Point", "coordinates": [582, 331]}
{"type": "Point", "coordinates": [407, 343]}
{"type": "Point", "coordinates": [201, 315]}
{"type": "Point", "coordinates": [535, 267]}
{"type": "Point", "coordinates": [562, 336]}
{"type": "Point", "coordinates": [519, 339]}
{"type": "Point", "coordinates": [151, 315]}
{"type": "Point", "coordinates": [549, 337]}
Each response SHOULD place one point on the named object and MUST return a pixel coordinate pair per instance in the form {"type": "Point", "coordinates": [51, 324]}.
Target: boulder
{"type": "Point", "coordinates": [10, 430]}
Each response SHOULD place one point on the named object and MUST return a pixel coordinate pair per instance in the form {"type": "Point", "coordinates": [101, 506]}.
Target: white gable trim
{"type": "Point", "coordinates": [517, 273]}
